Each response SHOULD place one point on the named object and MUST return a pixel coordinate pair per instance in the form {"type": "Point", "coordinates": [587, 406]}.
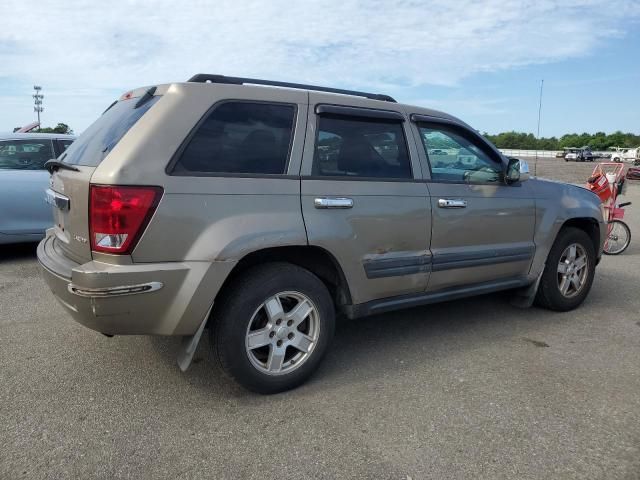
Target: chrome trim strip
{"type": "Point", "coordinates": [119, 291]}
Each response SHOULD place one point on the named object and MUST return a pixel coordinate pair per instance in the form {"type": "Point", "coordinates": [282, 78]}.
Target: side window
{"type": "Point", "coordinates": [240, 137]}
{"type": "Point", "coordinates": [64, 144]}
{"type": "Point", "coordinates": [455, 158]}
{"type": "Point", "coordinates": [25, 154]}
{"type": "Point", "coordinates": [60, 146]}
{"type": "Point", "coordinates": [352, 147]}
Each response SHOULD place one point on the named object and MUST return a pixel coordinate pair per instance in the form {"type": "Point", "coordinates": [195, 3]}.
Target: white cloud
{"type": "Point", "coordinates": [102, 48]}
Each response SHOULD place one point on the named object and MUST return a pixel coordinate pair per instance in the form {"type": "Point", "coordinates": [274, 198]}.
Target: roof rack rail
{"type": "Point", "coordinates": [207, 78]}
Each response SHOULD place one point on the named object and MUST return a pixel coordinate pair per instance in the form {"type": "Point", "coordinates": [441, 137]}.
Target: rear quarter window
{"type": "Point", "coordinates": [90, 148]}
{"type": "Point", "coordinates": [239, 137]}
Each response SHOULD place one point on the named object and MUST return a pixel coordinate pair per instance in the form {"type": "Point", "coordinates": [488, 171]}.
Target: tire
{"type": "Point", "coordinates": [621, 231]}
{"type": "Point", "coordinates": [243, 311]}
{"type": "Point", "coordinates": [549, 293]}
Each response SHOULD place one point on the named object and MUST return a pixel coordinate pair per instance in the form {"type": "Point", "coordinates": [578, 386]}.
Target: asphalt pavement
{"type": "Point", "coordinates": [472, 389]}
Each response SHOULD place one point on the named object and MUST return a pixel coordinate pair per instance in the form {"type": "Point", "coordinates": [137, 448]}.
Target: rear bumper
{"type": "Point", "coordinates": [152, 298]}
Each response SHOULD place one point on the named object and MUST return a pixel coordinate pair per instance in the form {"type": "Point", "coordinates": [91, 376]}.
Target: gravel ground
{"type": "Point", "coordinates": [466, 389]}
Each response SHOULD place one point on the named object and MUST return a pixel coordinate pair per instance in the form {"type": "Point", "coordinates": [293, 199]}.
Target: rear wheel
{"type": "Point", "coordinates": [569, 271]}
{"type": "Point", "coordinates": [273, 327]}
{"type": "Point", "coordinates": [618, 237]}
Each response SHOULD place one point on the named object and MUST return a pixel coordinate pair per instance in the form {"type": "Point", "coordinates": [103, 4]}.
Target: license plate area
{"type": "Point", "coordinates": [60, 204]}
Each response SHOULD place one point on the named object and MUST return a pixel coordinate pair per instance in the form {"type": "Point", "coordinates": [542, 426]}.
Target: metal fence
{"type": "Point", "coordinates": [528, 153]}
{"type": "Point", "coordinates": [510, 152]}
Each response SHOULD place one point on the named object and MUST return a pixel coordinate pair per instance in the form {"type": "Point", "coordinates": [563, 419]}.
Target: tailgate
{"type": "Point", "coordinates": [69, 196]}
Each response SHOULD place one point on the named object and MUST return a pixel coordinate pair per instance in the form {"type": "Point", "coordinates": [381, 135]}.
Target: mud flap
{"type": "Point", "coordinates": [190, 345]}
{"type": "Point", "coordinates": [524, 297]}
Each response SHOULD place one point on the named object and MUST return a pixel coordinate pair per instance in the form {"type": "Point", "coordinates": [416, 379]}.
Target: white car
{"type": "Point", "coordinates": [625, 154]}
{"type": "Point", "coordinates": [24, 214]}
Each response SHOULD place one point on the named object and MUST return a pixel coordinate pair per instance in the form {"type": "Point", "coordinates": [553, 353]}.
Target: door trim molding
{"type": "Point", "coordinates": [412, 264]}
{"type": "Point", "coordinates": [397, 266]}
{"type": "Point", "coordinates": [451, 261]}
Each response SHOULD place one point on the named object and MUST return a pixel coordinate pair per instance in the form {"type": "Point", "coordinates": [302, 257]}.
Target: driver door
{"type": "Point", "coordinates": [482, 228]}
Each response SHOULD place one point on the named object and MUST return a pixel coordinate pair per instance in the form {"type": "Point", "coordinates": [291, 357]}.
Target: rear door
{"type": "Point", "coordinates": [23, 182]}
{"type": "Point", "coordinates": [362, 196]}
{"type": "Point", "coordinates": [482, 228]}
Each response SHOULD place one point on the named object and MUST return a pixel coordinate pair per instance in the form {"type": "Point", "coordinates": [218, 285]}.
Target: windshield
{"type": "Point", "coordinates": [99, 139]}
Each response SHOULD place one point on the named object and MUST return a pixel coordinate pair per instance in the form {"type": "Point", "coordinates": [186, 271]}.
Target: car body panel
{"type": "Point", "coordinates": [557, 203]}
{"type": "Point", "coordinates": [176, 308]}
{"type": "Point", "coordinates": [25, 215]}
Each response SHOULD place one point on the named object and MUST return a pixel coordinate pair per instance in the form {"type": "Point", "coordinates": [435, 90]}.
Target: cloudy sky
{"type": "Point", "coordinates": [480, 60]}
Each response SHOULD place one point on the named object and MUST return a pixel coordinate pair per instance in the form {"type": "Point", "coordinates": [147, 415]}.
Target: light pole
{"type": "Point", "coordinates": [535, 168]}
{"type": "Point", "coordinates": [37, 101]}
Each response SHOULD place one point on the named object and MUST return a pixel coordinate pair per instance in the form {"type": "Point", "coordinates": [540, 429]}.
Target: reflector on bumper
{"type": "Point", "coordinates": [114, 291]}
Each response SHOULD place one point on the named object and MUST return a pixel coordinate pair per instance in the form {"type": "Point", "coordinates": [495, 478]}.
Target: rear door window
{"type": "Point", "coordinates": [25, 154]}
{"type": "Point", "coordinates": [353, 147]}
{"type": "Point", "coordinates": [103, 135]}
{"type": "Point", "coordinates": [240, 138]}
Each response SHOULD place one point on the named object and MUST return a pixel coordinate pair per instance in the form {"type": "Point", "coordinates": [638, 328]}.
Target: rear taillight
{"type": "Point", "coordinates": [118, 215]}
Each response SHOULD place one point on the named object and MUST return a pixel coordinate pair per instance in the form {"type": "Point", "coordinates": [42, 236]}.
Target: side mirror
{"type": "Point", "coordinates": [517, 171]}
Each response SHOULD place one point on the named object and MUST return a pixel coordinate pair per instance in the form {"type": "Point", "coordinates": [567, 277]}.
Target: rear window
{"type": "Point", "coordinates": [98, 140]}
{"type": "Point", "coordinates": [25, 154]}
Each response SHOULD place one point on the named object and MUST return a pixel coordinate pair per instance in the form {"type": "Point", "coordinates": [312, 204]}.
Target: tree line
{"type": "Point", "coordinates": [599, 141]}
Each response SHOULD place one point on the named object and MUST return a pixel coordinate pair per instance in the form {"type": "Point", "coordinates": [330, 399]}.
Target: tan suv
{"type": "Point", "coordinates": [260, 208]}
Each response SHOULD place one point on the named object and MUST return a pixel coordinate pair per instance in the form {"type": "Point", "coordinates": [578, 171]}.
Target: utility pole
{"type": "Point", "coordinates": [37, 102]}
{"type": "Point", "coordinates": [540, 107]}
{"type": "Point", "coordinates": [538, 133]}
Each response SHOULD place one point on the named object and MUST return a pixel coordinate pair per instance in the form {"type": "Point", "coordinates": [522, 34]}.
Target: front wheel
{"type": "Point", "coordinates": [618, 237]}
{"type": "Point", "coordinates": [272, 327]}
{"type": "Point", "coordinates": [569, 271]}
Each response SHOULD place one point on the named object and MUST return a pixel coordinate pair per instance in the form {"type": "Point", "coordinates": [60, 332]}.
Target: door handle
{"type": "Point", "coordinates": [452, 203]}
{"type": "Point", "coordinates": [333, 202]}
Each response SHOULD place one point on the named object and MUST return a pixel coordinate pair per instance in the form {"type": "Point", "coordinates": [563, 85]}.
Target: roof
{"type": "Point", "coordinates": [351, 95]}
{"type": "Point", "coordinates": [35, 136]}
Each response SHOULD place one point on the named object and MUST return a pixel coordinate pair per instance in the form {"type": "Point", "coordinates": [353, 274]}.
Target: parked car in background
{"type": "Point", "coordinates": [262, 211]}
{"type": "Point", "coordinates": [634, 172]}
{"type": "Point", "coordinates": [24, 214]}
{"type": "Point", "coordinates": [625, 154]}
{"type": "Point", "coordinates": [560, 154]}
{"type": "Point", "coordinates": [582, 154]}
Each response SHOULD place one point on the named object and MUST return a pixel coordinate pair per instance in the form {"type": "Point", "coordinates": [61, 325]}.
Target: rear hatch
{"type": "Point", "coordinates": [70, 180]}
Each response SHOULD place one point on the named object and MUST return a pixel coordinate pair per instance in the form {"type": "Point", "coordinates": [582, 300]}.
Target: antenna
{"type": "Point", "coordinates": [535, 168]}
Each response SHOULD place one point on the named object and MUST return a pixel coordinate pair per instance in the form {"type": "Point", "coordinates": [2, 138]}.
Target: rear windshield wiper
{"type": "Point", "coordinates": [148, 95]}
{"type": "Point", "coordinates": [53, 165]}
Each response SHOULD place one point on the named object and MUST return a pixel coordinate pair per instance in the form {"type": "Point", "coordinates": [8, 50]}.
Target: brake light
{"type": "Point", "coordinates": [118, 215]}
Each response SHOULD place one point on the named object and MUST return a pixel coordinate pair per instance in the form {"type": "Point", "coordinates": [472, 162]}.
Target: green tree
{"type": "Point", "coordinates": [60, 128]}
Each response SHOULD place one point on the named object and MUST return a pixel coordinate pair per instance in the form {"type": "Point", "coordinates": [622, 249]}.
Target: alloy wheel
{"type": "Point", "coordinates": [573, 270]}
{"type": "Point", "coordinates": [282, 333]}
